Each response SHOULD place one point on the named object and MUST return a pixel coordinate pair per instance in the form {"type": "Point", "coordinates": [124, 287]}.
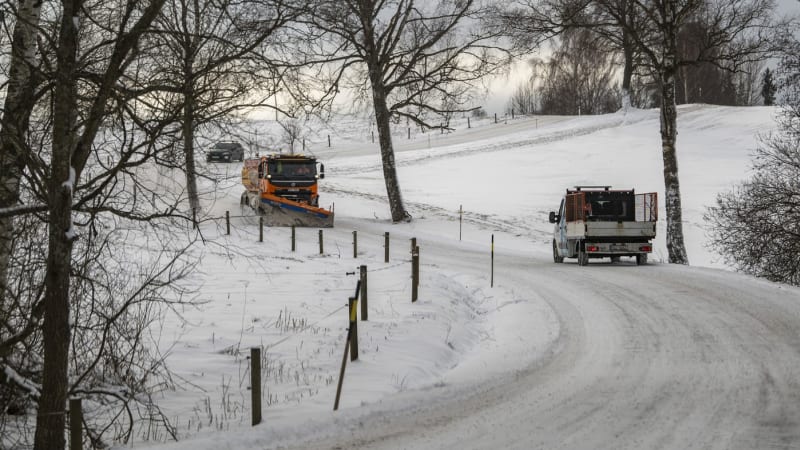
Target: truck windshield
{"type": "Point", "coordinates": [292, 170]}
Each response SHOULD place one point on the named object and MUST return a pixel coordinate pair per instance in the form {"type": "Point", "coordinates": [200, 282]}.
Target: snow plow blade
{"type": "Point", "coordinates": [280, 212]}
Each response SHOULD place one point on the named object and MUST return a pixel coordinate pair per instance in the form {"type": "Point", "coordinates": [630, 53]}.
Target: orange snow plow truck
{"type": "Point", "coordinates": [283, 189]}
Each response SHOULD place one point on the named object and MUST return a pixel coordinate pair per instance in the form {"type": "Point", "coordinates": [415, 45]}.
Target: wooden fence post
{"type": "Point", "coordinates": [386, 247]}
{"type": "Point", "coordinates": [355, 244]}
{"type": "Point", "coordinates": [353, 332]}
{"type": "Point", "coordinates": [413, 244]}
{"type": "Point", "coordinates": [341, 373]}
{"type": "Point", "coordinates": [460, 219]}
{"type": "Point", "coordinates": [261, 229]}
{"type": "Point", "coordinates": [255, 383]}
{"type": "Point", "coordinates": [363, 270]}
{"type": "Point", "coordinates": [320, 242]}
{"type": "Point", "coordinates": [491, 284]}
{"type": "Point", "coordinates": [75, 424]}
{"type": "Point", "coordinates": [228, 223]}
{"type": "Point", "coordinates": [414, 274]}
{"type": "Point", "coordinates": [352, 319]}
{"type": "Point", "coordinates": [293, 238]}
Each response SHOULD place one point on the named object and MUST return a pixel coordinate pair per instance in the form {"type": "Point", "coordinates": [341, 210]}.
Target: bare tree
{"type": "Point", "coordinates": [713, 80]}
{"type": "Point", "coordinates": [749, 83]}
{"type": "Point", "coordinates": [218, 58]}
{"type": "Point", "coordinates": [530, 23]}
{"type": "Point", "coordinates": [524, 99]}
{"type": "Point", "coordinates": [580, 78]}
{"type": "Point", "coordinates": [292, 133]}
{"type": "Point", "coordinates": [754, 226]}
{"type": "Point", "coordinates": [413, 60]}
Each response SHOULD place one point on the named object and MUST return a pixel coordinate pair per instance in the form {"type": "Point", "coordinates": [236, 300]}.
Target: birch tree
{"type": "Point", "coordinates": [19, 101]}
{"type": "Point", "coordinates": [741, 32]}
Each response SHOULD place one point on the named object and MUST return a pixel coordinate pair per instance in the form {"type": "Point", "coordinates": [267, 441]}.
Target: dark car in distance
{"type": "Point", "coordinates": [226, 152]}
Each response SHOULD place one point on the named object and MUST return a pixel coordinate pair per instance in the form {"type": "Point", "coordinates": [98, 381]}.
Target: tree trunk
{"type": "Point", "coordinates": [188, 151]}
{"type": "Point", "coordinates": [668, 69]}
{"type": "Point", "coordinates": [50, 419]}
{"type": "Point", "coordinates": [383, 121]}
{"type": "Point", "coordinates": [627, 71]}
{"type": "Point", "coordinates": [669, 119]}
{"type": "Point", "coordinates": [16, 119]}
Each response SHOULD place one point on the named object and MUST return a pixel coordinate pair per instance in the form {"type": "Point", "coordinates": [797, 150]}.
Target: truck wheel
{"type": "Point", "coordinates": [556, 258]}
{"type": "Point", "coordinates": [641, 259]}
{"type": "Point", "coordinates": [615, 259]}
{"type": "Point", "coordinates": [583, 257]}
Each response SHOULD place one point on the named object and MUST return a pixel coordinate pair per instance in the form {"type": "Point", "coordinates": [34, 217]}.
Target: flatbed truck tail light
{"type": "Point", "coordinates": [646, 248]}
{"type": "Point", "coordinates": [592, 248]}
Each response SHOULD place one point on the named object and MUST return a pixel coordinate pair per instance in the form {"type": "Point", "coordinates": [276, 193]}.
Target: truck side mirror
{"type": "Point", "coordinates": [553, 217]}
{"type": "Point", "coordinates": [321, 171]}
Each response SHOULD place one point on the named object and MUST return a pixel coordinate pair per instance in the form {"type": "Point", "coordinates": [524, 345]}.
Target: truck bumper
{"type": "Point", "coordinates": [618, 248]}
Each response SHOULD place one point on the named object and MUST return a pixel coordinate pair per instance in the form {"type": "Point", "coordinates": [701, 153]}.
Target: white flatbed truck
{"type": "Point", "coordinates": [598, 222]}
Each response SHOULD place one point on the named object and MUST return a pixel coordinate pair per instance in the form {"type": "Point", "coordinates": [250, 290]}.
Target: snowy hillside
{"type": "Point", "coordinates": [576, 345]}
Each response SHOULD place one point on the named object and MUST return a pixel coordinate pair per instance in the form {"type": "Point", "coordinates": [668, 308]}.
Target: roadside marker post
{"type": "Point", "coordinates": [352, 317]}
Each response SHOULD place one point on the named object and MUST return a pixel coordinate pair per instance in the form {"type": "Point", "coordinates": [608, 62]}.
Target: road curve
{"type": "Point", "coordinates": [653, 357]}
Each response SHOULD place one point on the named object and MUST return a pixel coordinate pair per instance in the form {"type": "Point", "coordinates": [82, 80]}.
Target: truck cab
{"type": "Point", "coordinates": [293, 177]}
{"type": "Point", "coordinates": [599, 222]}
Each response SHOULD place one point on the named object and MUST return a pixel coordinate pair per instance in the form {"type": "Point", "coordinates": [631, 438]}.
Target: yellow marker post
{"type": "Point", "coordinates": [353, 332]}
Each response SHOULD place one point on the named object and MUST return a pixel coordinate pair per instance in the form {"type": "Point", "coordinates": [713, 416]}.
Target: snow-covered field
{"type": "Point", "coordinates": [533, 355]}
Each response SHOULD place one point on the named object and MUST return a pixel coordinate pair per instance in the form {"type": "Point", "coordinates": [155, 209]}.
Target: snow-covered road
{"type": "Point", "coordinates": [646, 357]}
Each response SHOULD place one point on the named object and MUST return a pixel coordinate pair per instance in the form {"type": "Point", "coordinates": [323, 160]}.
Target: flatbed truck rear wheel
{"type": "Point", "coordinates": [641, 259]}
{"type": "Point", "coordinates": [583, 257]}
